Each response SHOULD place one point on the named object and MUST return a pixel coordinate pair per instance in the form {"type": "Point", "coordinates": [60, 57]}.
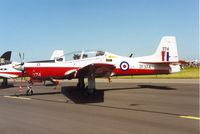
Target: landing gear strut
{"type": "Point", "coordinates": [29, 86]}
{"type": "Point", "coordinates": [4, 83]}
{"type": "Point", "coordinates": [91, 85]}
{"type": "Point", "coordinates": [91, 88]}
{"type": "Point", "coordinates": [81, 83]}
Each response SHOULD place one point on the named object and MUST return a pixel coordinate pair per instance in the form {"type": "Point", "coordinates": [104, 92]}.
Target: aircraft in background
{"type": "Point", "coordinates": [93, 64]}
{"type": "Point", "coordinates": [6, 68]}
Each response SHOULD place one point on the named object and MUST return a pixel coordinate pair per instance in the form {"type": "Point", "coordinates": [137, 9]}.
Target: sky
{"type": "Point", "coordinates": [37, 27]}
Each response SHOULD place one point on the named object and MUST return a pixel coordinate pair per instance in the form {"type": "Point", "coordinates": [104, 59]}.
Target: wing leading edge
{"type": "Point", "coordinates": [95, 69]}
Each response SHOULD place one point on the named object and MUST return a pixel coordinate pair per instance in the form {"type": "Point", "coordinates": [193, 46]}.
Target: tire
{"type": "Point", "coordinates": [29, 93]}
{"type": "Point", "coordinates": [90, 91]}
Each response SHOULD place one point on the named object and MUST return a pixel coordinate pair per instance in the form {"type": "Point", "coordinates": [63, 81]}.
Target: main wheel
{"type": "Point", "coordinates": [29, 92]}
{"type": "Point", "coordinates": [90, 91]}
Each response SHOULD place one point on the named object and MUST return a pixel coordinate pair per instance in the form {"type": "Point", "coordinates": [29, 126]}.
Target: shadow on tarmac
{"type": "Point", "coordinates": [5, 87]}
{"type": "Point", "coordinates": [80, 97]}
{"type": "Point", "coordinates": [156, 87]}
{"type": "Point", "coordinates": [141, 87]}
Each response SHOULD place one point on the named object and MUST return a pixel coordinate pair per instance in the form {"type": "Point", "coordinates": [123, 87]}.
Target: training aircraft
{"type": "Point", "coordinates": [93, 64]}
{"type": "Point", "coordinates": [8, 68]}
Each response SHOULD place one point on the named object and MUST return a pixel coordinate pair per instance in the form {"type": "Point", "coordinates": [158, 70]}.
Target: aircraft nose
{"type": "Point", "coordinates": [19, 67]}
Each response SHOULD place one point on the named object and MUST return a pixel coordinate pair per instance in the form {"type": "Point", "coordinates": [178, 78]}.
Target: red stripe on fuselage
{"type": "Point", "coordinates": [118, 71]}
{"type": "Point", "coordinates": [59, 72]}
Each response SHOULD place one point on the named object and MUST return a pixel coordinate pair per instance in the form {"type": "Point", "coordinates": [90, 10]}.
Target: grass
{"type": "Point", "coordinates": [186, 73]}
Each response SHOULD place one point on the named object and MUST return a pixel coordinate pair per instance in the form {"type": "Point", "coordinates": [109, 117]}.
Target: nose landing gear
{"type": "Point", "coordinates": [29, 92]}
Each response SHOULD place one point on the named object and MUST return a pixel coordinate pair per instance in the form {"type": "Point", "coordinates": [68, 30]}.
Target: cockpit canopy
{"type": "Point", "coordinates": [83, 55]}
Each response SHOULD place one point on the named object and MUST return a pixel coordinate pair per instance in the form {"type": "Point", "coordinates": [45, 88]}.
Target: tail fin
{"type": "Point", "coordinates": [167, 50]}
{"type": "Point", "coordinates": [6, 56]}
{"type": "Point", "coordinates": [58, 55]}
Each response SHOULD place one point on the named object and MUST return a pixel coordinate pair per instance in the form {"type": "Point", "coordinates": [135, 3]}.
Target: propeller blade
{"type": "Point", "coordinates": [23, 57]}
{"type": "Point", "coordinates": [20, 66]}
{"type": "Point", "coordinates": [20, 56]}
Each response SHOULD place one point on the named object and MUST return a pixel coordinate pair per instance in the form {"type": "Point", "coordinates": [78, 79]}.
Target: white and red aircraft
{"type": "Point", "coordinates": [92, 64]}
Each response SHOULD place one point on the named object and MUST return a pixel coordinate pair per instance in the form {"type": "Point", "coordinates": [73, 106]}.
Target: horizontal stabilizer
{"type": "Point", "coordinates": [167, 63]}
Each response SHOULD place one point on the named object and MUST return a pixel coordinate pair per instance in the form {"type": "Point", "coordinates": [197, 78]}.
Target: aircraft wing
{"type": "Point", "coordinates": [2, 75]}
{"type": "Point", "coordinates": [96, 69]}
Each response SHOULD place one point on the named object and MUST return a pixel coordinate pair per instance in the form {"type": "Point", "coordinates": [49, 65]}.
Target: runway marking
{"type": "Point", "coordinates": [15, 97]}
{"type": "Point", "coordinates": [190, 117]}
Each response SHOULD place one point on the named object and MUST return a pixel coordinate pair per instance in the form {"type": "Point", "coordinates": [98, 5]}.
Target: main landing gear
{"type": "Point", "coordinates": [90, 89]}
{"type": "Point", "coordinates": [5, 82]}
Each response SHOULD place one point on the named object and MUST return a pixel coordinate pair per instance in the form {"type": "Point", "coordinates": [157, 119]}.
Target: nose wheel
{"type": "Point", "coordinates": [29, 92]}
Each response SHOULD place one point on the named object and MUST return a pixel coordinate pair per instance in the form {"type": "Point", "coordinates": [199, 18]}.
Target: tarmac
{"type": "Point", "coordinates": [125, 106]}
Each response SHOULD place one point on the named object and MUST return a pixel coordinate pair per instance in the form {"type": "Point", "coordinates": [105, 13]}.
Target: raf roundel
{"type": "Point", "coordinates": [124, 66]}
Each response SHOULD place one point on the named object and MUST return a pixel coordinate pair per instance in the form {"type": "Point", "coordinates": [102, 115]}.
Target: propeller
{"type": "Point", "coordinates": [21, 68]}
{"type": "Point", "coordinates": [21, 56]}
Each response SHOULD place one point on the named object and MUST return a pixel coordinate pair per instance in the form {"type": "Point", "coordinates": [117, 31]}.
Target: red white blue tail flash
{"type": "Point", "coordinates": [165, 56]}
